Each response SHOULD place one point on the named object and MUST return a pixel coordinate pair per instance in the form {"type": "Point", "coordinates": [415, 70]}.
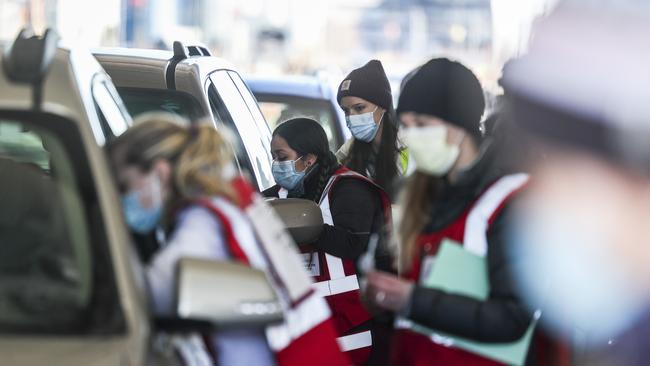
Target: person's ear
{"type": "Point", "coordinates": [310, 160]}
{"type": "Point", "coordinates": [379, 114]}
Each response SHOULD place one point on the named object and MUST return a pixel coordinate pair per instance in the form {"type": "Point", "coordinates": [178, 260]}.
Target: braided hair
{"type": "Point", "coordinates": [306, 136]}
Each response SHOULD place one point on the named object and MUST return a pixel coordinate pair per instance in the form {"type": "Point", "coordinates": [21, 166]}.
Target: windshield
{"type": "Point", "coordinates": [140, 100]}
{"type": "Point", "coordinates": [50, 232]}
{"type": "Point", "coordinates": [279, 108]}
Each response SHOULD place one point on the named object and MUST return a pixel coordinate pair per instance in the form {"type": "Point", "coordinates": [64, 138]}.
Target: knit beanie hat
{"type": "Point", "coordinates": [368, 82]}
{"type": "Point", "coordinates": [447, 90]}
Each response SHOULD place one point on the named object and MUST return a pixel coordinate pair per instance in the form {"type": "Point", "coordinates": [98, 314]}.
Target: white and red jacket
{"type": "Point", "coordinates": [307, 336]}
{"type": "Point", "coordinates": [470, 229]}
{"type": "Point", "coordinates": [336, 279]}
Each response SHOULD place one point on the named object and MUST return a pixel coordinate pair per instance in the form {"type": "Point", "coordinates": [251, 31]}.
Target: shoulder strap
{"type": "Point", "coordinates": [244, 190]}
{"type": "Point", "coordinates": [345, 172]}
{"type": "Point", "coordinates": [487, 205]}
{"type": "Point", "coordinates": [235, 249]}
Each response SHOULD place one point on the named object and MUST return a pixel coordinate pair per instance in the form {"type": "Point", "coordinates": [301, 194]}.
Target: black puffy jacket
{"type": "Point", "coordinates": [502, 317]}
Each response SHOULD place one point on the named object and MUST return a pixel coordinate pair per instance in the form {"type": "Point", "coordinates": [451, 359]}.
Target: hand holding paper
{"type": "Point", "coordinates": [388, 291]}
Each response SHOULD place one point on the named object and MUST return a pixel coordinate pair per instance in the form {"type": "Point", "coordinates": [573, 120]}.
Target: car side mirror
{"type": "Point", "coordinates": [302, 218]}
{"type": "Point", "coordinates": [225, 294]}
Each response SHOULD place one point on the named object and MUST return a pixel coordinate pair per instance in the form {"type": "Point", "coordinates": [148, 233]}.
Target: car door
{"type": "Point", "coordinates": [61, 301]}
{"type": "Point", "coordinates": [250, 135]}
{"type": "Point", "coordinates": [113, 116]}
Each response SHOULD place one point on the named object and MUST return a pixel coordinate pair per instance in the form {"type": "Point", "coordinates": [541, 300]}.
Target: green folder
{"type": "Point", "coordinates": [458, 271]}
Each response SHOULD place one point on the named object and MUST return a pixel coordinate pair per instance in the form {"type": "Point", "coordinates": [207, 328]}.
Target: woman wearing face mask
{"type": "Point", "coordinates": [458, 193]}
{"type": "Point", "coordinates": [355, 211]}
{"type": "Point", "coordinates": [182, 180]}
{"type": "Point", "coordinates": [374, 151]}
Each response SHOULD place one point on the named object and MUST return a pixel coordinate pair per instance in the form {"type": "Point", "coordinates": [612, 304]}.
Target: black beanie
{"type": "Point", "coordinates": [368, 82]}
{"type": "Point", "coordinates": [447, 90]}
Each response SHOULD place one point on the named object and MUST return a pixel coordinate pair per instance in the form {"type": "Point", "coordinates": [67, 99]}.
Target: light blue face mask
{"type": "Point", "coordinates": [141, 219]}
{"type": "Point", "coordinates": [363, 126]}
{"type": "Point", "coordinates": [285, 173]}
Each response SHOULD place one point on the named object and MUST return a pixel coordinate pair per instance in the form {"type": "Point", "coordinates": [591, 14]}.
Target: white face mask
{"type": "Point", "coordinates": [430, 150]}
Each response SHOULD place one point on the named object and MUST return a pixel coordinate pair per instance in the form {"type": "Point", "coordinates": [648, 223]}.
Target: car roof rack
{"type": "Point", "coordinates": [28, 59]}
{"type": "Point", "coordinates": [198, 51]}
{"type": "Point", "coordinates": [181, 53]}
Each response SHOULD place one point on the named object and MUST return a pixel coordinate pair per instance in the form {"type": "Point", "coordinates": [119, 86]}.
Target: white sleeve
{"type": "Point", "coordinates": [197, 234]}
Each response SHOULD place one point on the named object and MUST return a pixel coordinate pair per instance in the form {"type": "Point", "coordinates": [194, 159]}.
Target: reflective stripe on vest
{"type": "Point", "coordinates": [338, 283]}
{"type": "Point", "coordinates": [301, 319]}
{"type": "Point", "coordinates": [338, 286]}
{"type": "Point", "coordinates": [355, 341]}
{"type": "Point", "coordinates": [478, 219]}
{"type": "Point", "coordinates": [476, 228]}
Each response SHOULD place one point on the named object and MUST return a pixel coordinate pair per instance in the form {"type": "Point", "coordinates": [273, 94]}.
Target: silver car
{"type": "Point", "coordinates": [193, 84]}
{"type": "Point", "coordinates": [72, 289]}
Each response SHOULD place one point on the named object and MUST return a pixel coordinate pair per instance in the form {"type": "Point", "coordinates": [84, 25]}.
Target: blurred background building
{"type": "Point", "coordinates": [298, 36]}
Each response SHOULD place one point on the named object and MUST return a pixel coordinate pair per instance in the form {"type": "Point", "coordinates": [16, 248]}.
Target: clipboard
{"type": "Point", "coordinates": [458, 271]}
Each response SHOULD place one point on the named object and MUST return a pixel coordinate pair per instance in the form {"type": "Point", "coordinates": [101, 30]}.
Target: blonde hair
{"type": "Point", "coordinates": [199, 155]}
{"type": "Point", "coordinates": [418, 195]}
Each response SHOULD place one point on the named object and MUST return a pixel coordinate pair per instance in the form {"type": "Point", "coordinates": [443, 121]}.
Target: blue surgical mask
{"type": "Point", "coordinates": [363, 126]}
{"type": "Point", "coordinates": [285, 174]}
{"type": "Point", "coordinates": [567, 266]}
{"type": "Point", "coordinates": [141, 219]}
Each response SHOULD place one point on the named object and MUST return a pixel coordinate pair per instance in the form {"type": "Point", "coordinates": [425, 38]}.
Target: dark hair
{"type": "Point", "coordinates": [306, 136]}
{"type": "Point", "coordinates": [385, 159]}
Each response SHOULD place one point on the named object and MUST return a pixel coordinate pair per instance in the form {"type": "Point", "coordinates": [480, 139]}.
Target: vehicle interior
{"type": "Point", "coordinates": [56, 278]}
{"type": "Point", "coordinates": [279, 108]}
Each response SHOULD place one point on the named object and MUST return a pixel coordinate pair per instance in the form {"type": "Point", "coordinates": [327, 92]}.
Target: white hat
{"type": "Point", "coordinates": [591, 60]}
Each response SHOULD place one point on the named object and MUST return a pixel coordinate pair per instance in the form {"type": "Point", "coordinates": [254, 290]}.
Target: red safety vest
{"type": "Point", "coordinates": [336, 279]}
{"type": "Point", "coordinates": [308, 335]}
{"type": "Point", "coordinates": [471, 229]}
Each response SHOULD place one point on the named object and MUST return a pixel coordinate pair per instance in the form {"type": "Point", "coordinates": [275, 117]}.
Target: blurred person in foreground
{"type": "Point", "coordinates": [375, 149]}
{"type": "Point", "coordinates": [582, 230]}
{"type": "Point", "coordinates": [459, 192]}
{"type": "Point", "coordinates": [355, 212]}
{"type": "Point", "coordinates": [181, 177]}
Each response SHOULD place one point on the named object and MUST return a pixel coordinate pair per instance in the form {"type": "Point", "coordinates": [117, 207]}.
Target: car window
{"type": "Point", "coordinates": [49, 233]}
{"type": "Point", "coordinates": [253, 107]}
{"type": "Point", "coordinates": [255, 143]}
{"type": "Point", "coordinates": [227, 128]}
{"type": "Point", "coordinates": [141, 100]}
{"type": "Point", "coordinates": [279, 108]}
{"type": "Point", "coordinates": [111, 112]}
